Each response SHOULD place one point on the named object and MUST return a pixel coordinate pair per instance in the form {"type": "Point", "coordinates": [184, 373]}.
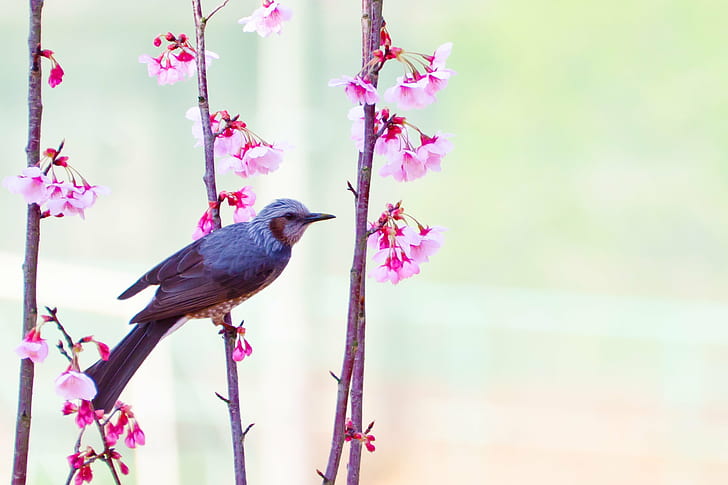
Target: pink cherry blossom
{"type": "Point", "coordinates": [177, 61]}
{"type": "Point", "coordinates": [242, 350]}
{"type": "Point", "coordinates": [68, 199]}
{"type": "Point", "coordinates": [32, 185]}
{"type": "Point", "coordinates": [33, 347]}
{"type": "Point", "coordinates": [204, 226]}
{"type": "Point", "coordinates": [75, 385]}
{"type": "Point", "coordinates": [404, 166]}
{"type": "Point", "coordinates": [394, 266]}
{"type": "Point", "coordinates": [135, 436]}
{"type": "Point", "coordinates": [253, 157]}
{"type": "Point", "coordinates": [433, 149]}
{"type": "Point", "coordinates": [358, 90]}
{"type": "Point", "coordinates": [243, 201]}
{"type": "Point", "coordinates": [229, 140]}
{"type": "Point", "coordinates": [410, 93]}
{"type": "Point", "coordinates": [85, 414]}
{"type": "Point", "coordinates": [267, 19]}
{"type": "Point", "coordinates": [56, 76]}
{"type": "Point", "coordinates": [440, 56]}
{"type": "Point", "coordinates": [430, 241]}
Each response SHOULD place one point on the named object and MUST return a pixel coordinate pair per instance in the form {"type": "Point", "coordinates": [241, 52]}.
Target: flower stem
{"type": "Point", "coordinates": [32, 243]}
{"type": "Point", "coordinates": [351, 379]}
{"type": "Point", "coordinates": [233, 398]}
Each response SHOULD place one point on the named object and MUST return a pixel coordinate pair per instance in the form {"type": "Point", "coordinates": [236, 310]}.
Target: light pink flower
{"type": "Point", "coordinates": [204, 226]}
{"type": "Point", "coordinates": [356, 115]}
{"type": "Point", "coordinates": [433, 149]}
{"type": "Point", "coordinates": [68, 199]}
{"type": "Point", "coordinates": [267, 19]}
{"type": "Point", "coordinates": [440, 56]}
{"type": "Point", "coordinates": [410, 93]}
{"type": "Point", "coordinates": [430, 241]}
{"type": "Point", "coordinates": [32, 185]}
{"type": "Point", "coordinates": [33, 347]}
{"type": "Point", "coordinates": [75, 385]}
{"type": "Point", "coordinates": [170, 67]}
{"type": "Point", "coordinates": [404, 166]}
{"type": "Point", "coordinates": [358, 90]}
{"type": "Point", "coordinates": [253, 157]}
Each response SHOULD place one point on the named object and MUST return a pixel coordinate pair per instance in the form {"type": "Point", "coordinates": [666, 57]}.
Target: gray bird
{"type": "Point", "coordinates": [205, 279]}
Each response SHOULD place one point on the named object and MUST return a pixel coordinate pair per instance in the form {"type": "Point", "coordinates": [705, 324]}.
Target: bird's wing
{"type": "Point", "coordinates": [203, 275]}
{"type": "Point", "coordinates": [179, 262]}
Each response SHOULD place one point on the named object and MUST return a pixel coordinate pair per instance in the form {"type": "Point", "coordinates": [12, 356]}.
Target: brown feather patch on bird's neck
{"type": "Point", "coordinates": [277, 228]}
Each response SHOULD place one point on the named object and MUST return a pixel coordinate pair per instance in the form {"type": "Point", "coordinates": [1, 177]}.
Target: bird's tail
{"type": "Point", "coordinates": [111, 376]}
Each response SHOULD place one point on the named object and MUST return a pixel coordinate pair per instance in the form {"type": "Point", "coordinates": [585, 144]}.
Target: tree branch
{"type": "Point", "coordinates": [351, 379]}
{"type": "Point", "coordinates": [32, 243]}
{"type": "Point", "coordinates": [233, 398]}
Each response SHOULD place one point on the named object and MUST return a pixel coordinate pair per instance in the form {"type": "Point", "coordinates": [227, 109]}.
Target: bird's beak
{"type": "Point", "coordinates": [317, 216]}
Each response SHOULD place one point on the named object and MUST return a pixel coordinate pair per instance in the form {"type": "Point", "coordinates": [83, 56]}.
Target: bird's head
{"type": "Point", "coordinates": [287, 219]}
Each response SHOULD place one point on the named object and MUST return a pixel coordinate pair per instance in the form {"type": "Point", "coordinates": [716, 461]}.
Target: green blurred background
{"type": "Point", "coordinates": [573, 327]}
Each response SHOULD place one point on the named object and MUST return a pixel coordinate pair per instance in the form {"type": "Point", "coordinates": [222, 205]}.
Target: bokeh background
{"type": "Point", "coordinates": [574, 327]}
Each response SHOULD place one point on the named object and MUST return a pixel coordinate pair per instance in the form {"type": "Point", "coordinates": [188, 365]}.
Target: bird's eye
{"type": "Point", "coordinates": [289, 216]}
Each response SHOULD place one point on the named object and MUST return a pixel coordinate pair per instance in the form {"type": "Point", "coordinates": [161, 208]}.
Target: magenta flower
{"type": "Point", "coordinates": [56, 76]}
{"type": "Point", "coordinates": [243, 201]}
{"type": "Point", "coordinates": [267, 19]}
{"type": "Point", "coordinates": [75, 385]}
{"type": "Point", "coordinates": [33, 347]}
{"type": "Point", "coordinates": [134, 436]}
{"type": "Point", "coordinates": [204, 226]}
{"type": "Point", "coordinates": [365, 438]}
{"type": "Point", "coordinates": [177, 62]}
{"type": "Point", "coordinates": [85, 414]}
{"type": "Point", "coordinates": [242, 350]}
{"type": "Point", "coordinates": [359, 91]}
{"type": "Point", "coordinates": [32, 185]}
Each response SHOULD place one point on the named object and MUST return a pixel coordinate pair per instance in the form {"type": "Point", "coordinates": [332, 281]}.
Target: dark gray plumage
{"type": "Point", "coordinates": [204, 279]}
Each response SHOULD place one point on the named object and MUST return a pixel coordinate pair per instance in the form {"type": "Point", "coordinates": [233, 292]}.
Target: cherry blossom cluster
{"type": "Point", "coordinates": [237, 148]}
{"type": "Point", "coordinates": [56, 75]}
{"type": "Point", "coordinates": [410, 153]}
{"type": "Point", "coordinates": [176, 62]}
{"type": "Point", "coordinates": [267, 19]}
{"type": "Point", "coordinates": [125, 422]}
{"type": "Point", "coordinates": [73, 385]}
{"type": "Point", "coordinates": [58, 196]}
{"type": "Point", "coordinates": [242, 347]}
{"type": "Point", "coordinates": [81, 462]}
{"type": "Point", "coordinates": [398, 247]}
{"type": "Point", "coordinates": [241, 200]}
{"type": "Point", "coordinates": [365, 438]}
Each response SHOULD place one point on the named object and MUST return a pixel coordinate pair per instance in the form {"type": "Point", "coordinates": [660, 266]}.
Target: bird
{"type": "Point", "coordinates": [205, 279]}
